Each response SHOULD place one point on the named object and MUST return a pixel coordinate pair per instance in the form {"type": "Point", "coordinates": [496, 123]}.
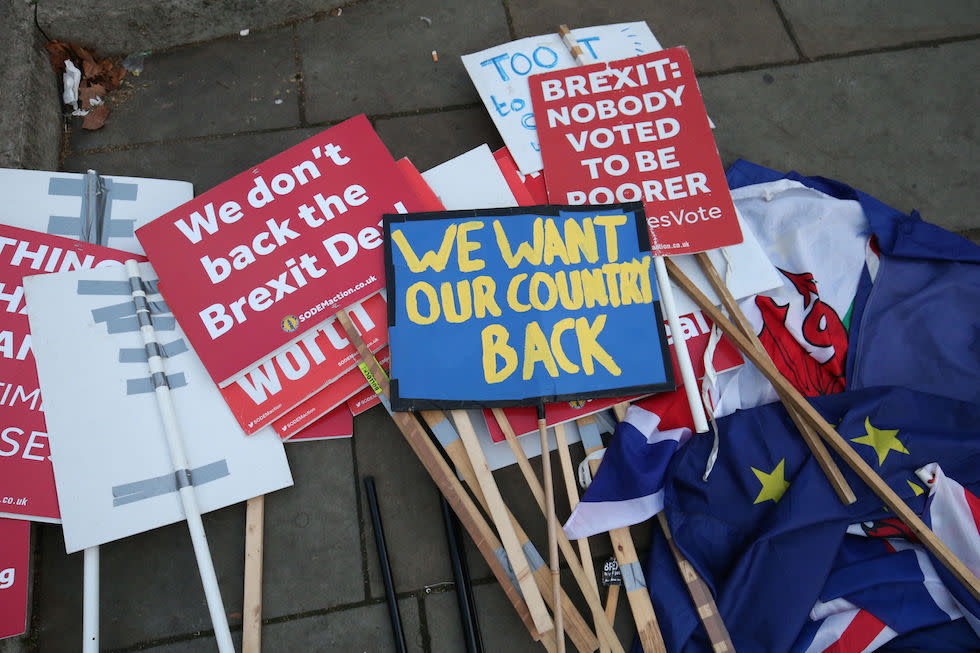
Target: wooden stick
{"type": "Point", "coordinates": [575, 626]}
{"type": "Point", "coordinates": [612, 602]}
{"type": "Point", "coordinates": [469, 515]}
{"type": "Point", "coordinates": [637, 594]}
{"type": "Point", "coordinates": [817, 447]}
{"type": "Point", "coordinates": [704, 603]}
{"type": "Point", "coordinates": [831, 437]}
{"type": "Point", "coordinates": [498, 513]}
{"type": "Point", "coordinates": [606, 634]}
{"type": "Point", "coordinates": [571, 489]}
{"type": "Point", "coordinates": [252, 611]}
{"type": "Point", "coordinates": [549, 500]}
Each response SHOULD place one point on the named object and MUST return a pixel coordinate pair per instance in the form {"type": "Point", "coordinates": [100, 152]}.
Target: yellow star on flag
{"type": "Point", "coordinates": [774, 484]}
{"type": "Point", "coordinates": [883, 441]}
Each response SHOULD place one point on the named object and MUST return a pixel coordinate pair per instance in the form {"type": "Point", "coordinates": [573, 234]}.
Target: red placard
{"type": "Point", "coordinates": [251, 265]}
{"type": "Point", "coordinates": [287, 387]}
{"type": "Point", "coordinates": [636, 130]}
{"type": "Point", "coordinates": [15, 547]}
{"type": "Point", "coordinates": [324, 401]}
{"type": "Point", "coordinates": [26, 478]}
{"type": "Point", "coordinates": [338, 423]}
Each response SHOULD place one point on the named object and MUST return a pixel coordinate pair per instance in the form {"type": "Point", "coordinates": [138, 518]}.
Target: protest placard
{"type": "Point", "coordinates": [252, 265]}
{"type": "Point", "coordinates": [101, 209]}
{"type": "Point", "coordinates": [500, 75]}
{"type": "Point", "coordinates": [291, 382]}
{"type": "Point", "coordinates": [15, 549]}
{"type": "Point", "coordinates": [522, 306]}
{"type": "Point", "coordinates": [112, 463]}
{"type": "Point", "coordinates": [338, 423]}
{"type": "Point", "coordinates": [27, 488]}
{"type": "Point", "coordinates": [636, 130]}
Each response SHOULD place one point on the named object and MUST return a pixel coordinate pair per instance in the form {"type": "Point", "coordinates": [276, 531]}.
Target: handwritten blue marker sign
{"type": "Point", "coordinates": [522, 306]}
{"type": "Point", "coordinates": [500, 75]}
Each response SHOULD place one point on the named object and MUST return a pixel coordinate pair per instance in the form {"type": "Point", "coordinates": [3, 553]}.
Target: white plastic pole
{"type": "Point", "coordinates": [90, 601]}
{"type": "Point", "coordinates": [186, 491]}
{"type": "Point", "coordinates": [680, 346]}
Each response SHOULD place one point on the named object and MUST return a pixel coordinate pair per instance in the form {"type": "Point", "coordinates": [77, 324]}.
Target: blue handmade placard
{"type": "Point", "coordinates": [521, 306]}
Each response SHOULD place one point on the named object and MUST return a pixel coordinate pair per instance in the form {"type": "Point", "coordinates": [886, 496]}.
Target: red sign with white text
{"type": "Point", "coordinates": [338, 423]}
{"type": "Point", "coordinates": [26, 477]}
{"type": "Point", "coordinates": [15, 547]}
{"type": "Point", "coordinates": [636, 130]}
{"type": "Point", "coordinates": [287, 387]}
{"type": "Point", "coordinates": [251, 265]}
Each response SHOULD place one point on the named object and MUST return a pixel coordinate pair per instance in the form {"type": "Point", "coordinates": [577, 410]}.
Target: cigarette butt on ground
{"type": "Point", "coordinates": [435, 56]}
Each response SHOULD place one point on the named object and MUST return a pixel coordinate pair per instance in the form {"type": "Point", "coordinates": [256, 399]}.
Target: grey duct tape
{"type": "Point", "coordinates": [127, 324]}
{"type": "Point", "coordinates": [534, 559]}
{"type": "Point", "coordinates": [445, 433]}
{"type": "Point", "coordinates": [633, 577]}
{"type": "Point", "coordinates": [152, 487]}
{"type": "Point", "coordinates": [590, 435]}
{"type": "Point", "coordinates": [505, 563]}
{"type": "Point", "coordinates": [149, 383]}
{"type": "Point", "coordinates": [137, 355]}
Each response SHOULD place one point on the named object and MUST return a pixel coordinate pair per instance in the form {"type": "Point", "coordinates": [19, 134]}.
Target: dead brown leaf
{"type": "Point", "coordinates": [96, 117]}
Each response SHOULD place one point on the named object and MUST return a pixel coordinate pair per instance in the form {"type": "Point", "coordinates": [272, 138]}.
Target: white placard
{"type": "Point", "coordinates": [751, 272]}
{"type": "Point", "coordinates": [470, 181]}
{"type": "Point", "coordinates": [500, 75]}
{"type": "Point", "coordinates": [108, 445]}
{"type": "Point", "coordinates": [57, 203]}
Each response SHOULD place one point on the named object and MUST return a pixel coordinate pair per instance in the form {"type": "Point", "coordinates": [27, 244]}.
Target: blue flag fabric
{"type": "Point", "coordinates": [765, 530]}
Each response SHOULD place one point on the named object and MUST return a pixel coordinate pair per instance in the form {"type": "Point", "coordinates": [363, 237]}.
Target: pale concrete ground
{"type": "Point", "coordinates": [880, 95]}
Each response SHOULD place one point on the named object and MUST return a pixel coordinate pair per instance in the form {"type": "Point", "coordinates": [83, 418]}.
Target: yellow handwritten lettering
{"type": "Point", "coordinates": [412, 303]}
{"type": "Point", "coordinates": [536, 351]}
{"type": "Point", "coordinates": [610, 222]}
{"type": "Point", "coordinates": [512, 288]}
{"type": "Point", "coordinates": [495, 338]}
{"type": "Point", "coordinates": [539, 279]}
{"type": "Point", "coordinates": [464, 247]}
{"type": "Point", "coordinates": [484, 302]}
{"type": "Point", "coordinates": [590, 348]}
{"type": "Point", "coordinates": [525, 251]}
{"type": "Point", "coordinates": [430, 259]}
{"type": "Point", "coordinates": [556, 348]}
{"type": "Point", "coordinates": [465, 311]}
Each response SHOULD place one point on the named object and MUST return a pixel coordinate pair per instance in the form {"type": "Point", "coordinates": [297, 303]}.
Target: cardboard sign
{"type": "Point", "coordinates": [500, 76]}
{"type": "Point", "coordinates": [111, 461]}
{"type": "Point", "coordinates": [27, 488]}
{"type": "Point", "coordinates": [334, 395]}
{"type": "Point", "coordinates": [469, 181]}
{"type": "Point", "coordinates": [636, 130]}
{"type": "Point", "coordinates": [522, 305]}
{"type": "Point", "coordinates": [15, 549]}
{"type": "Point", "coordinates": [528, 189]}
{"type": "Point", "coordinates": [253, 264]}
{"type": "Point", "coordinates": [338, 423]}
{"type": "Point", "coordinates": [284, 386]}
{"type": "Point", "coordinates": [101, 209]}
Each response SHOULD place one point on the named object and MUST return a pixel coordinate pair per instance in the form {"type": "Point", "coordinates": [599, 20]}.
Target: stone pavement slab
{"type": "Point", "coordinates": [376, 57]}
{"type": "Point", "coordinates": [150, 586]}
{"type": "Point", "coordinates": [720, 34]}
{"type": "Point", "coordinates": [433, 138]}
{"type": "Point", "coordinates": [229, 85]}
{"type": "Point", "coordinates": [203, 162]}
{"type": "Point", "coordinates": [411, 514]}
{"type": "Point", "coordinates": [838, 26]}
{"type": "Point", "coordinates": [30, 104]}
{"type": "Point", "coordinates": [898, 125]}
{"type": "Point", "coordinates": [119, 28]}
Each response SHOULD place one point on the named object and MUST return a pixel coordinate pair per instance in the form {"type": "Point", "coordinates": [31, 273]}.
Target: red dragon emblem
{"type": "Point", "coordinates": [821, 328]}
